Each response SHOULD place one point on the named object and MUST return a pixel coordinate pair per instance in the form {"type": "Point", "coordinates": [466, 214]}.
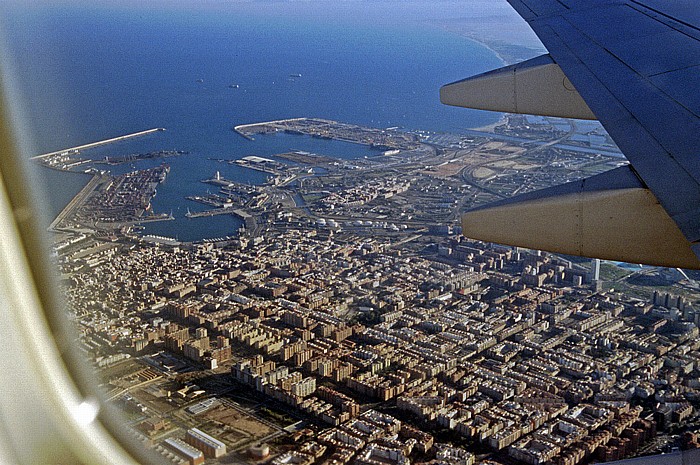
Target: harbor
{"type": "Point", "coordinates": [111, 203]}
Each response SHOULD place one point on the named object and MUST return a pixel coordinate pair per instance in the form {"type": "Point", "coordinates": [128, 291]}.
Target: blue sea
{"type": "Point", "coordinates": [89, 72]}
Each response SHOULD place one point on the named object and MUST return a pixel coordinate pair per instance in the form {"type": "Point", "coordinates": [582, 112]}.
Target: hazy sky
{"type": "Point", "coordinates": [395, 9]}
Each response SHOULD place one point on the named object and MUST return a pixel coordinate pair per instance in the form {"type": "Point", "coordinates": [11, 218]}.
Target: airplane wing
{"type": "Point", "coordinates": [635, 66]}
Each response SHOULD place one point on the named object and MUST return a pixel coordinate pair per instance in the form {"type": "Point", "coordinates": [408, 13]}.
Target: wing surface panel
{"type": "Point", "coordinates": [611, 24]}
{"type": "Point", "coordinates": [649, 55]}
{"type": "Point", "coordinates": [681, 85]}
{"type": "Point", "coordinates": [523, 10]}
{"type": "Point", "coordinates": [684, 12]}
{"type": "Point", "coordinates": [542, 8]}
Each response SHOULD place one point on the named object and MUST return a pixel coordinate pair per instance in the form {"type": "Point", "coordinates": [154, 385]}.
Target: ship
{"type": "Point", "coordinates": [295, 75]}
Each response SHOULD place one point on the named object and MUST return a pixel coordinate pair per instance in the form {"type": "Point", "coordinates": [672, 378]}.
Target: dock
{"type": "Point", "coordinates": [249, 220]}
{"type": "Point", "coordinates": [242, 214]}
{"type": "Point", "coordinates": [98, 143]}
{"type": "Point", "coordinates": [261, 164]}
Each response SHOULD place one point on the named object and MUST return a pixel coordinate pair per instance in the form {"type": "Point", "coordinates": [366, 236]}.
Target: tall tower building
{"type": "Point", "coordinates": [595, 269]}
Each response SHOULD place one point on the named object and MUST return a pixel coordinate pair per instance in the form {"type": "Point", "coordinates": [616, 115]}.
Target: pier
{"type": "Point", "coordinates": [98, 143]}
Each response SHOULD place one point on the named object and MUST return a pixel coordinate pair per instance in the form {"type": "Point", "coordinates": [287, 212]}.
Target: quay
{"type": "Point", "coordinates": [242, 214]}
{"type": "Point", "coordinates": [250, 222]}
{"type": "Point", "coordinates": [245, 130]}
{"type": "Point", "coordinates": [154, 218]}
{"type": "Point", "coordinates": [218, 180]}
{"type": "Point", "coordinates": [213, 200]}
{"type": "Point", "coordinates": [216, 211]}
{"type": "Point", "coordinates": [98, 143]}
{"type": "Point", "coordinates": [328, 129]}
{"type": "Point", "coordinates": [264, 165]}
{"type": "Point", "coordinates": [143, 219]}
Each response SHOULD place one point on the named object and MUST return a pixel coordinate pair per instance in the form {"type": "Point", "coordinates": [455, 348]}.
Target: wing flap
{"type": "Point", "coordinates": [622, 221]}
{"type": "Point", "coordinates": [536, 86]}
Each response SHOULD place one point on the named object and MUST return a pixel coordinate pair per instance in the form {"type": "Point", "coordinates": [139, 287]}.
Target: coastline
{"type": "Point", "coordinates": [510, 47]}
{"type": "Point", "coordinates": [491, 127]}
{"type": "Point", "coordinates": [506, 52]}
{"type": "Point", "coordinates": [484, 43]}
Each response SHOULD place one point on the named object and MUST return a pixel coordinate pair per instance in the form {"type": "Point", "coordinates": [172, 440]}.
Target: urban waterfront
{"type": "Point", "coordinates": [349, 322]}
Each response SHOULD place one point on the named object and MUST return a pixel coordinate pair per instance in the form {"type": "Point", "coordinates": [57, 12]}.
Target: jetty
{"type": "Point", "coordinates": [97, 144]}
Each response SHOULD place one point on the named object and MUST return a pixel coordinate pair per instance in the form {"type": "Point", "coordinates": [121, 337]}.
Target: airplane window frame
{"type": "Point", "coordinates": [53, 410]}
